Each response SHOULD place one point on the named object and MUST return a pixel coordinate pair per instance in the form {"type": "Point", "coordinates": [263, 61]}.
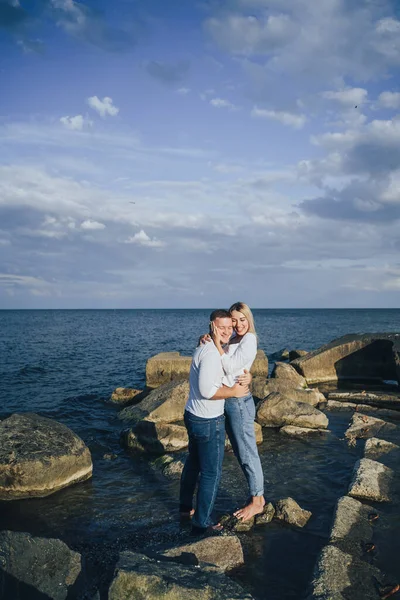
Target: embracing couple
{"type": "Point", "coordinates": [219, 397]}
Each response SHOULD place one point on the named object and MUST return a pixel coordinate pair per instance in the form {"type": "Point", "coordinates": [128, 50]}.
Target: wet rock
{"type": "Point", "coordinates": [122, 396]}
{"type": "Point", "coordinates": [169, 466]}
{"type": "Point", "coordinates": [166, 404]}
{"type": "Point", "coordinates": [351, 528]}
{"type": "Point", "coordinates": [39, 456]}
{"type": "Point", "coordinates": [364, 426]}
{"type": "Point", "coordinates": [371, 481]}
{"type": "Point", "coordinates": [293, 354]}
{"type": "Point", "coordinates": [266, 516]}
{"type": "Point", "coordinates": [375, 447]}
{"type": "Point", "coordinates": [288, 373]}
{"type": "Point", "coordinates": [379, 400]}
{"type": "Point", "coordinates": [340, 576]}
{"type": "Point", "coordinates": [257, 431]}
{"type": "Point", "coordinates": [364, 356]}
{"type": "Point", "coordinates": [289, 511]}
{"type": "Point", "coordinates": [231, 523]}
{"type": "Point", "coordinates": [301, 431]}
{"type": "Point", "coordinates": [284, 354]}
{"type": "Point", "coordinates": [278, 411]}
{"type": "Point", "coordinates": [171, 366]}
{"type": "Point", "coordinates": [110, 456]}
{"type": "Point", "coordinates": [47, 565]}
{"type": "Point", "coordinates": [156, 438]}
{"type": "Point", "coordinates": [224, 552]}
{"type": "Point", "coordinates": [307, 395]}
{"type": "Point", "coordinates": [138, 576]}
{"type": "Point", "coordinates": [334, 405]}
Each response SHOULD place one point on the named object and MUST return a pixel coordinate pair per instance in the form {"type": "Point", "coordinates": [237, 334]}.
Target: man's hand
{"type": "Point", "coordinates": [245, 379]}
{"type": "Point", "coordinates": [240, 391]}
{"type": "Point", "coordinates": [204, 339]}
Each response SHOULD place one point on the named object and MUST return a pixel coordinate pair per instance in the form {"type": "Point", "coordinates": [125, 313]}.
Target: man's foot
{"type": "Point", "coordinates": [254, 507]}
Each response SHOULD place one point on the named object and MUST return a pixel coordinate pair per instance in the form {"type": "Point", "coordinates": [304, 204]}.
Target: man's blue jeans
{"type": "Point", "coordinates": [240, 414]}
{"type": "Point", "coordinates": [203, 464]}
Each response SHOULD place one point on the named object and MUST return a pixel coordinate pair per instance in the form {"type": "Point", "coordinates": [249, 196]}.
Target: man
{"type": "Point", "coordinates": [205, 423]}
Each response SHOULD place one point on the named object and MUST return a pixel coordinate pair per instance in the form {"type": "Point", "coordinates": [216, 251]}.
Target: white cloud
{"type": "Point", "coordinates": [142, 239]}
{"type": "Point", "coordinates": [92, 225]}
{"type": "Point", "coordinates": [286, 118]}
{"type": "Point", "coordinates": [76, 123]}
{"type": "Point", "coordinates": [348, 96]}
{"type": "Point", "coordinates": [389, 100]}
{"type": "Point", "coordinates": [221, 103]}
{"type": "Point", "coordinates": [103, 107]}
{"type": "Point", "coordinates": [183, 91]}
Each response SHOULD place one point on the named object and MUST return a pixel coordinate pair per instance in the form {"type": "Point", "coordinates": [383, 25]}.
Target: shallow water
{"type": "Point", "coordinates": [64, 365]}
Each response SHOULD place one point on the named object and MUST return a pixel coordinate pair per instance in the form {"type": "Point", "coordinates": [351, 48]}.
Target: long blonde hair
{"type": "Point", "coordinates": [243, 308]}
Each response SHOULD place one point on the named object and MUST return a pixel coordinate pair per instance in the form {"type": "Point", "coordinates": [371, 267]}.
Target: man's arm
{"type": "Point", "coordinates": [237, 391]}
{"type": "Point", "coordinates": [210, 381]}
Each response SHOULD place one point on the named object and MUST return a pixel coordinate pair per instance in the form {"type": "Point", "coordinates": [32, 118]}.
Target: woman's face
{"type": "Point", "coordinates": [239, 322]}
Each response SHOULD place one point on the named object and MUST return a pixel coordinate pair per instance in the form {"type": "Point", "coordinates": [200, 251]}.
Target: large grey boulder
{"type": "Point", "coordinates": [224, 552]}
{"type": "Point", "coordinates": [298, 394]}
{"type": "Point", "coordinates": [365, 356]}
{"type": "Point", "coordinates": [138, 576]}
{"type": "Point", "coordinates": [47, 565]}
{"type": "Point", "coordinates": [352, 529]}
{"type": "Point", "coordinates": [375, 447]}
{"type": "Point", "coordinates": [122, 396]}
{"type": "Point", "coordinates": [156, 438]}
{"type": "Point", "coordinates": [171, 366]}
{"type": "Point", "coordinates": [364, 426]}
{"type": "Point", "coordinates": [278, 411]}
{"type": "Point", "coordinates": [293, 354]}
{"type": "Point", "coordinates": [39, 456]}
{"type": "Point", "coordinates": [288, 373]}
{"type": "Point", "coordinates": [371, 481]}
{"type": "Point", "coordinates": [165, 404]}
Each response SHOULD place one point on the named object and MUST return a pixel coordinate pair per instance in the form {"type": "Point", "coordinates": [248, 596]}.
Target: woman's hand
{"type": "Point", "coordinates": [203, 339]}
{"type": "Point", "coordinates": [240, 391]}
{"type": "Point", "coordinates": [216, 337]}
{"type": "Point", "coordinates": [245, 379]}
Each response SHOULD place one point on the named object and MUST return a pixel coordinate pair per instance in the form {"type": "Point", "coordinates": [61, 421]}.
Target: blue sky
{"type": "Point", "coordinates": [190, 154]}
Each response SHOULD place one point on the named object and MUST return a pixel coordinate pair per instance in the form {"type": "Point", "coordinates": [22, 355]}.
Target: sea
{"type": "Point", "coordinates": [64, 364]}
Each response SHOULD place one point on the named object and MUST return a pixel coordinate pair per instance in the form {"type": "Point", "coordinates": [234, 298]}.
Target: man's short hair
{"type": "Point", "coordinates": [220, 313]}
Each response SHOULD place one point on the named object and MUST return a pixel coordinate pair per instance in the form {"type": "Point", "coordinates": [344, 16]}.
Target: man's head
{"type": "Point", "coordinates": [222, 320]}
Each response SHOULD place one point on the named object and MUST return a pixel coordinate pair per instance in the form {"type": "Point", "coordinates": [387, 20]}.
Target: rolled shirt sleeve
{"type": "Point", "coordinates": [210, 376]}
{"type": "Point", "coordinates": [244, 354]}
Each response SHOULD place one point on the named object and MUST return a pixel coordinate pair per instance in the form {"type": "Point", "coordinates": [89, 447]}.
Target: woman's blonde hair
{"type": "Point", "coordinates": [243, 308]}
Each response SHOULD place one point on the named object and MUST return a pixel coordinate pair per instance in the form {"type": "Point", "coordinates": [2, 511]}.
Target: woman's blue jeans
{"type": "Point", "coordinates": [240, 414]}
{"type": "Point", "coordinates": [203, 465]}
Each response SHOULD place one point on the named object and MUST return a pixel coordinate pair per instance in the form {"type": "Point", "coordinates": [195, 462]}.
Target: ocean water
{"type": "Point", "coordinates": [64, 364]}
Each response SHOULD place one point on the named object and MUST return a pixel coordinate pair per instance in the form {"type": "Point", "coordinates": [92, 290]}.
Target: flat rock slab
{"type": "Point", "coordinates": [341, 576]}
{"type": "Point", "coordinates": [292, 431]}
{"type": "Point", "coordinates": [375, 447]}
{"type": "Point", "coordinates": [364, 426]}
{"type": "Point", "coordinates": [224, 552]}
{"type": "Point", "coordinates": [165, 404]}
{"type": "Point", "coordinates": [371, 481]}
{"type": "Point", "coordinates": [289, 511]}
{"type": "Point", "coordinates": [376, 399]}
{"type": "Point", "coordinates": [39, 456]}
{"type": "Point", "coordinates": [351, 528]}
{"type": "Point", "coordinates": [138, 576]}
{"type": "Point", "coordinates": [335, 405]}
{"type": "Point", "coordinates": [47, 565]}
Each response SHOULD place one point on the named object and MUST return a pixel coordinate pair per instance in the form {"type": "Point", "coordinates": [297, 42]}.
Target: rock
{"type": "Point", "coordinates": [288, 373]}
{"type": "Point", "coordinates": [301, 431]}
{"type": "Point", "coordinates": [156, 438]}
{"type": "Point", "coordinates": [371, 481]}
{"type": "Point", "coordinates": [47, 565]}
{"type": "Point", "coordinates": [266, 516]}
{"type": "Point", "coordinates": [122, 396]}
{"type": "Point", "coordinates": [258, 387]}
{"type": "Point", "coordinates": [289, 511]}
{"type": "Point", "coordinates": [293, 354]}
{"type": "Point", "coordinates": [365, 356]}
{"type": "Point", "coordinates": [375, 447]}
{"type": "Point", "coordinates": [334, 405]}
{"type": "Point", "coordinates": [171, 366]}
{"type": "Point", "coordinates": [258, 434]}
{"type": "Point", "coordinates": [138, 576]}
{"type": "Point", "coordinates": [284, 354]}
{"type": "Point", "coordinates": [110, 456]}
{"type": "Point", "coordinates": [225, 552]}
{"type": "Point", "coordinates": [351, 528]}
{"type": "Point", "coordinates": [379, 400]}
{"type": "Point", "coordinates": [39, 456]}
{"type": "Point", "coordinates": [231, 523]}
{"type": "Point", "coordinates": [340, 576]}
{"type": "Point", "coordinates": [309, 396]}
{"type": "Point", "coordinates": [278, 411]}
{"type": "Point", "coordinates": [364, 426]}
{"type": "Point", "coordinates": [169, 466]}
{"type": "Point", "coordinates": [166, 404]}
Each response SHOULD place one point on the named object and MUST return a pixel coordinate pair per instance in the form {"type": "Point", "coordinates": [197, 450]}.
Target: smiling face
{"type": "Point", "coordinates": [225, 328]}
{"type": "Point", "coordinates": [239, 322]}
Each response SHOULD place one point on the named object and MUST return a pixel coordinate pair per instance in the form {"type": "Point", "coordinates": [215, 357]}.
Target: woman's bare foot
{"type": "Point", "coordinates": [187, 514]}
{"type": "Point", "coordinates": [254, 507]}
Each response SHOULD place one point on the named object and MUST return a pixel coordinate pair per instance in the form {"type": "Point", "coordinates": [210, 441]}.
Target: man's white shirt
{"type": "Point", "coordinates": [205, 378]}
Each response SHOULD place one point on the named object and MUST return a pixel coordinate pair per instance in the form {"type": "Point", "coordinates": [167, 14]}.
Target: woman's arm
{"type": "Point", "coordinates": [244, 354]}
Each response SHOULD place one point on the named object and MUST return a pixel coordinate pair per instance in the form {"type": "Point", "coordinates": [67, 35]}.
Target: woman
{"type": "Point", "coordinates": [237, 358]}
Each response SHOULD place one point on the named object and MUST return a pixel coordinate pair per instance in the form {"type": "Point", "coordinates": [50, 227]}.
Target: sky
{"type": "Point", "coordinates": [189, 154]}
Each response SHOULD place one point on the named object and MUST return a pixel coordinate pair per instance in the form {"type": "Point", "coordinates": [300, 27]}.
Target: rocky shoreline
{"type": "Point", "coordinates": [40, 456]}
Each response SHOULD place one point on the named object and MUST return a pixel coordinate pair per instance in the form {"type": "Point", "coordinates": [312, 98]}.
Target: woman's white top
{"type": "Point", "coordinates": [238, 357]}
